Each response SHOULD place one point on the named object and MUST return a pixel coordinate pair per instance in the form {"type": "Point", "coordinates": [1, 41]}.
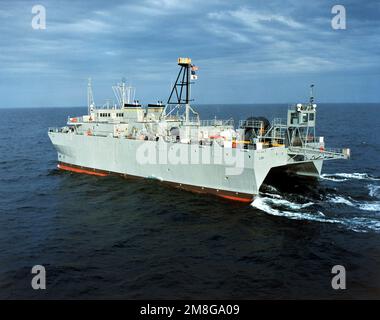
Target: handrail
{"type": "Point", "coordinates": [217, 122]}
{"type": "Point", "coordinates": [251, 123]}
{"type": "Point", "coordinates": [325, 153]}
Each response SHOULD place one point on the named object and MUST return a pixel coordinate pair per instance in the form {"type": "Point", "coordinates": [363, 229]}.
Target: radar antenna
{"type": "Point", "coordinates": [124, 93]}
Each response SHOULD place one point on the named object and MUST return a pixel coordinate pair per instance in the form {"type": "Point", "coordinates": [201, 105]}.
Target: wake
{"type": "Point", "coordinates": [340, 177]}
{"type": "Point", "coordinates": [275, 205]}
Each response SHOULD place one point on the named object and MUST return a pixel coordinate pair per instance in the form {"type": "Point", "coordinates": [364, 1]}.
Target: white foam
{"type": "Point", "coordinates": [369, 206]}
{"type": "Point", "coordinates": [331, 178]}
{"type": "Point", "coordinates": [263, 204]}
{"type": "Point", "coordinates": [356, 175]}
{"type": "Point", "coordinates": [356, 224]}
{"type": "Point", "coordinates": [345, 176]}
{"type": "Point", "coordinates": [271, 188]}
{"type": "Point", "coordinates": [271, 195]}
{"type": "Point", "coordinates": [290, 205]}
{"type": "Point", "coordinates": [365, 206]}
{"type": "Point", "coordinates": [362, 224]}
{"type": "Point", "coordinates": [374, 191]}
{"type": "Point", "coordinates": [341, 200]}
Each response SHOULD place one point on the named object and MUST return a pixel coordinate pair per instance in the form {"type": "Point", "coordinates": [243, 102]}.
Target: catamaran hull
{"type": "Point", "coordinates": [241, 197]}
{"type": "Point", "coordinates": [231, 173]}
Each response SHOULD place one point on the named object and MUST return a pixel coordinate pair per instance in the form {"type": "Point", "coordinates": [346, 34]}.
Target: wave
{"type": "Point", "coordinates": [288, 204]}
{"type": "Point", "coordinates": [341, 200]}
{"type": "Point", "coordinates": [265, 204]}
{"type": "Point", "coordinates": [374, 191]}
{"type": "Point", "coordinates": [271, 195]}
{"type": "Point", "coordinates": [356, 175]}
{"type": "Point", "coordinates": [270, 188]}
{"type": "Point", "coordinates": [340, 177]}
{"type": "Point", "coordinates": [362, 224]}
{"type": "Point", "coordinates": [331, 178]}
{"type": "Point", "coordinates": [365, 205]}
{"type": "Point", "coordinates": [370, 206]}
{"type": "Point", "coordinates": [294, 211]}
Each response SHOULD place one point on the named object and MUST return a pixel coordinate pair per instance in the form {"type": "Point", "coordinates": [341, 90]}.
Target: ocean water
{"type": "Point", "coordinates": [136, 239]}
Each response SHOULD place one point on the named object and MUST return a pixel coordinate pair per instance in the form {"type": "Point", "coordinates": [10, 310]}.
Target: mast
{"type": "Point", "coordinates": [188, 86]}
{"type": "Point", "coordinates": [311, 93]}
{"type": "Point", "coordinates": [180, 93]}
{"type": "Point", "coordinates": [123, 97]}
{"type": "Point", "coordinates": [90, 97]}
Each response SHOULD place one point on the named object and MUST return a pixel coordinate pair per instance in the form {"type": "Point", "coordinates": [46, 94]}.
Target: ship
{"type": "Point", "coordinates": [169, 142]}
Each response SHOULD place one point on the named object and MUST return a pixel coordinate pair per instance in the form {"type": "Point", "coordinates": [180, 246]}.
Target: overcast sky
{"type": "Point", "coordinates": [247, 51]}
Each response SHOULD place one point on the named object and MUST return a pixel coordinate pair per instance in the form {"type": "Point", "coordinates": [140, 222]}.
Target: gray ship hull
{"type": "Point", "coordinates": [236, 180]}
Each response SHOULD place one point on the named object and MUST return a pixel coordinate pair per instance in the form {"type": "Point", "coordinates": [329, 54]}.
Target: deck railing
{"type": "Point", "coordinates": [216, 122]}
{"type": "Point", "coordinates": [251, 123]}
{"type": "Point", "coordinates": [320, 153]}
{"type": "Point", "coordinates": [54, 129]}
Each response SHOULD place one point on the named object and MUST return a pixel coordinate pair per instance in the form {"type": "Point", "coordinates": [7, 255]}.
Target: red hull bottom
{"type": "Point", "coordinates": [229, 195]}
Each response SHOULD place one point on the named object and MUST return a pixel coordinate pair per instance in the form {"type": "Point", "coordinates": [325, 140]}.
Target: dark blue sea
{"type": "Point", "coordinates": [135, 239]}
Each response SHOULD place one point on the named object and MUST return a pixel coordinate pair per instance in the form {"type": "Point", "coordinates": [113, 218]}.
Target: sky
{"type": "Point", "coordinates": [247, 51]}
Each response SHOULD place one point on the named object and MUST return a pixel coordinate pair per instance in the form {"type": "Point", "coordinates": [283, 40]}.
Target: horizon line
{"type": "Point", "coordinates": [200, 104]}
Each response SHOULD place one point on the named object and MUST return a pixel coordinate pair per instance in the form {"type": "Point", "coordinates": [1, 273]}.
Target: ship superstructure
{"type": "Point", "coordinates": [169, 142]}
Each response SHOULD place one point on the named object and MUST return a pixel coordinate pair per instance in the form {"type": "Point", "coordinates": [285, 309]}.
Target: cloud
{"type": "Point", "coordinates": [255, 20]}
{"type": "Point", "coordinates": [81, 26]}
{"type": "Point", "coordinates": [276, 42]}
{"type": "Point", "coordinates": [5, 14]}
{"type": "Point", "coordinates": [142, 39]}
{"type": "Point", "coordinates": [227, 33]}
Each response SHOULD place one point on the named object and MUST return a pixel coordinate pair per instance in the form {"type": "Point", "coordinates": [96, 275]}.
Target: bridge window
{"type": "Point", "coordinates": [294, 118]}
